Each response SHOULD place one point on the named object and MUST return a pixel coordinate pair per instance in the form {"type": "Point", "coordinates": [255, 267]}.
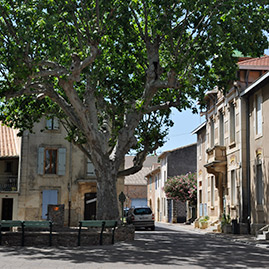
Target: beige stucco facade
{"type": "Point", "coordinates": [257, 106]}
{"type": "Point", "coordinates": [231, 155]}
{"type": "Point", "coordinates": [68, 185]}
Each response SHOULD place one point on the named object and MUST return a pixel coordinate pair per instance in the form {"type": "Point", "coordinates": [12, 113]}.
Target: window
{"type": "Point", "coordinates": [156, 182]}
{"type": "Point", "coordinates": [221, 129]}
{"type": "Point", "coordinates": [259, 184]}
{"type": "Point", "coordinates": [258, 114]}
{"type": "Point", "coordinates": [233, 187]}
{"type": "Point", "coordinates": [52, 123]}
{"type": "Point", "coordinates": [8, 167]}
{"type": "Point", "coordinates": [51, 161]}
{"type": "Point", "coordinates": [212, 133]}
{"type": "Point", "coordinates": [90, 168]}
{"type": "Point", "coordinates": [232, 123]}
{"type": "Point", "coordinates": [212, 191]}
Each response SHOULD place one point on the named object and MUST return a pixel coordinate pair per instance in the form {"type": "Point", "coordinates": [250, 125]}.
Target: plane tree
{"type": "Point", "coordinates": [112, 70]}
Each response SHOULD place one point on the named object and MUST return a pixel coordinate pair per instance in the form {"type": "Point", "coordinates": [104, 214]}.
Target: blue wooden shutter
{"type": "Point", "coordinates": [40, 164]}
{"type": "Point", "coordinates": [90, 168]}
{"type": "Point", "coordinates": [49, 197]}
{"type": "Point", "coordinates": [55, 123]}
{"type": "Point", "coordinates": [49, 124]}
{"type": "Point", "coordinates": [61, 161]}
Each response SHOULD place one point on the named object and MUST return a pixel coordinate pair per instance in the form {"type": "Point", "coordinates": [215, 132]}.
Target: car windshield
{"type": "Point", "coordinates": [142, 211]}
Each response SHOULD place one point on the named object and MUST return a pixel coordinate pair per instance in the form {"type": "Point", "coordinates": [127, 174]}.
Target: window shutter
{"type": "Point", "coordinates": [61, 161]}
{"type": "Point", "coordinates": [40, 165]}
{"type": "Point", "coordinates": [90, 168]}
{"type": "Point", "coordinates": [55, 123]}
{"type": "Point", "coordinates": [49, 124]}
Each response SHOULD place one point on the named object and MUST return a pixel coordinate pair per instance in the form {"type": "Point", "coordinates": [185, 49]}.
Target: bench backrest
{"type": "Point", "coordinates": [98, 223]}
{"type": "Point", "coordinates": [37, 223]}
{"type": "Point", "coordinates": [91, 223]}
{"type": "Point", "coordinates": [110, 223]}
{"type": "Point", "coordinates": [10, 223]}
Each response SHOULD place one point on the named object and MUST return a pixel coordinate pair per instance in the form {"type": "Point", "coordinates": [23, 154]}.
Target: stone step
{"type": "Point", "coordinates": [263, 236]}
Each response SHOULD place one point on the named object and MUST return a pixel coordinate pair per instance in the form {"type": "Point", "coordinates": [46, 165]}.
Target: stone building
{"type": "Point", "coordinates": [135, 186]}
{"type": "Point", "coordinates": [174, 162]}
{"type": "Point", "coordinates": [153, 181]}
{"type": "Point", "coordinates": [54, 171]}
{"type": "Point", "coordinates": [9, 172]}
{"type": "Point", "coordinates": [232, 148]}
{"type": "Point", "coordinates": [255, 99]}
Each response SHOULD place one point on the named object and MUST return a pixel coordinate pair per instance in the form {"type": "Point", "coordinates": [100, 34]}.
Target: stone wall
{"type": "Point", "coordinates": [68, 237]}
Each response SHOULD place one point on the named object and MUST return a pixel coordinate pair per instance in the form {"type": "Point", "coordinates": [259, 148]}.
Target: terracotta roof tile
{"type": "Point", "coordinates": [262, 61]}
{"type": "Point", "coordinates": [9, 142]}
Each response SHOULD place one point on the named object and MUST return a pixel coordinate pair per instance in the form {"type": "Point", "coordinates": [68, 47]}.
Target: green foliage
{"type": "Point", "coordinates": [225, 219]}
{"type": "Point", "coordinates": [196, 41]}
{"type": "Point", "coordinates": [182, 188]}
{"type": "Point", "coordinates": [204, 219]}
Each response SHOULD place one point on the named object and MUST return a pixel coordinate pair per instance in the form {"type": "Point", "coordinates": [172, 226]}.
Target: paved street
{"type": "Point", "coordinates": [170, 246]}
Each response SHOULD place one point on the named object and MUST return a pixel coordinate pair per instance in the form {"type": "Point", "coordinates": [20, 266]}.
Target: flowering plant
{"type": "Point", "coordinates": [182, 188]}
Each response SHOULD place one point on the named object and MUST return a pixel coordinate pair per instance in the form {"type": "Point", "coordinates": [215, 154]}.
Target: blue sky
{"type": "Point", "coordinates": [180, 134]}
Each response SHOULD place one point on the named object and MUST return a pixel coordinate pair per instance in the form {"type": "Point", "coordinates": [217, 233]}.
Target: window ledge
{"type": "Point", "coordinates": [257, 136]}
{"type": "Point", "coordinates": [233, 207]}
{"type": "Point", "coordinates": [212, 207]}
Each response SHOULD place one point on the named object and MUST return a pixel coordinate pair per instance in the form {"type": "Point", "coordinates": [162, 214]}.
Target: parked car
{"type": "Point", "coordinates": [141, 217]}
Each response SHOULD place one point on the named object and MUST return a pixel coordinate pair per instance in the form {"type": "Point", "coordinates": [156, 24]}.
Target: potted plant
{"type": "Point", "coordinates": [203, 222]}
{"type": "Point", "coordinates": [226, 226]}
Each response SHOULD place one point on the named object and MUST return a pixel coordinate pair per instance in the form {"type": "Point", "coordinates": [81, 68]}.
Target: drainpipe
{"type": "Point", "coordinates": [248, 165]}
{"type": "Point", "coordinates": [70, 185]}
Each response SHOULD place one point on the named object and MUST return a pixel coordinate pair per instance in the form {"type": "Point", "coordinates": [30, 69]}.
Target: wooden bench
{"type": "Point", "coordinates": [10, 224]}
{"type": "Point", "coordinates": [98, 224]}
{"type": "Point", "coordinates": [37, 224]}
{"type": "Point", "coordinates": [111, 224]}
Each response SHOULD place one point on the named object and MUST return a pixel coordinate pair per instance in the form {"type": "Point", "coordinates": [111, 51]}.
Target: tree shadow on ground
{"type": "Point", "coordinates": [160, 247]}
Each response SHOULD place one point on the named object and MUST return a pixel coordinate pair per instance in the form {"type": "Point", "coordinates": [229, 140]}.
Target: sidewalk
{"type": "Point", "coordinates": [241, 238]}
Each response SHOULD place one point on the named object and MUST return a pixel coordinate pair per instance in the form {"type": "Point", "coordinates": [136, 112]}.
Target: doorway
{"type": "Point", "coordinates": [49, 197]}
{"type": "Point", "coordinates": [90, 206]}
{"type": "Point", "coordinates": [169, 205]}
{"type": "Point", "coordinates": [7, 208]}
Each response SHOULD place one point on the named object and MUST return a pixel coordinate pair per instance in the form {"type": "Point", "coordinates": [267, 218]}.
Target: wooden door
{"type": "Point", "coordinates": [90, 206]}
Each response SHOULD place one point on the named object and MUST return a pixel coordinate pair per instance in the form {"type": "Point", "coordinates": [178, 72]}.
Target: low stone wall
{"type": "Point", "coordinates": [68, 237]}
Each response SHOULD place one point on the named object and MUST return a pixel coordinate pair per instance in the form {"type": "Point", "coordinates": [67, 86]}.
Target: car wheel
{"type": "Point", "coordinates": [153, 228]}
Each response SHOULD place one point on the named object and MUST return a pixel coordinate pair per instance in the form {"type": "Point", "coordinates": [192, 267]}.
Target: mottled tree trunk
{"type": "Point", "coordinates": [107, 202]}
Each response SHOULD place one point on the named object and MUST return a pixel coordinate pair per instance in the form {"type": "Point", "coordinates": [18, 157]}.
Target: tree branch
{"type": "Point", "coordinates": [138, 161]}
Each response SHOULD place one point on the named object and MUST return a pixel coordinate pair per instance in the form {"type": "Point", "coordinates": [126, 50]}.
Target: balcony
{"type": "Point", "coordinates": [216, 160]}
{"type": "Point", "coordinates": [8, 183]}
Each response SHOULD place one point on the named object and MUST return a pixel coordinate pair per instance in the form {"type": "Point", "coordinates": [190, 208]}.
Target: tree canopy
{"type": "Point", "coordinates": [112, 70]}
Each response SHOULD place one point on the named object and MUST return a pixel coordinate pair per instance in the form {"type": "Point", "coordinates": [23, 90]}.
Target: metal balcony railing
{"type": "Point", "coordinates": [8, 183]}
